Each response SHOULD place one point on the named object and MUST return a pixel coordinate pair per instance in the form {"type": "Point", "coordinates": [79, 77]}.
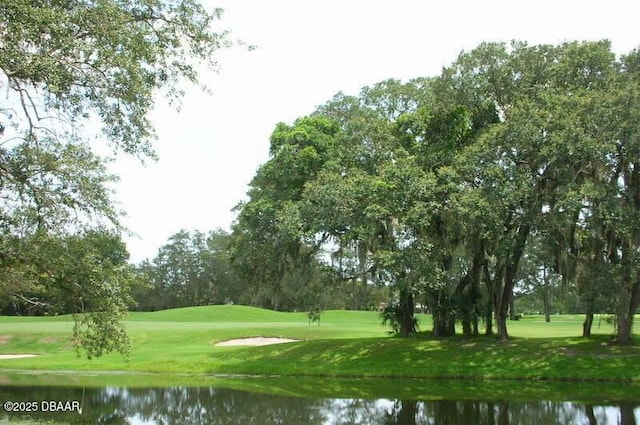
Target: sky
{"type": "Point", "coordinates": [307, 51]}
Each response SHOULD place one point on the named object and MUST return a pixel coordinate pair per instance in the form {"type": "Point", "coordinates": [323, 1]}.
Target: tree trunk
{"type": "Point", "coordinates": [442, 314]}
{"type": "Point", "coordinates": [627, 413]}
{"type": "Point", "coordinates": [408, 412]}
{"type": "Point", "coordinates": [467, 293]}
{"type": "Point", "coordinates": [275, 298]}
{"type": "Point", "coordinates": [488, 313]}
{"type": "Point", "coordinates": [488, 322]}
{"type": "Point", "coordinates": [503, 413]}
{"type": "Point", "coordinates": [628, 304]}
{"type": "Point", "coordinates": [407, 319]}
{"type": "Point", "coordinates": [501, 323]}
{"type": "Point", "coordinates": [546, 305]}
{"type": "Point", "coordinates": [491, 414]}
{"type": "Point", "coordinates": [443, 324]}
{"type": "Point", "coordinates": [546, 296]}
{"type": "Point", "coordinates": [586, 326]}
{"type": "Point", "coordinates": [628, 298]}
{"type": "Point", "coordinates": [466, 327]}
{"type": "Point", "coordinates": [466, 308]}
{"type": "Point", "coordinates": [588, 411]}
{"type": "Point", "coordinates": [501, 303]}
{"type": "Point", "coordinates": [625, 323]}
{"type": "Point", "coordinates": [506, 271]}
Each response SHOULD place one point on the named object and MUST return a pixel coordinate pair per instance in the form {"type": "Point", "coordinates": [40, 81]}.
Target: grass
{"type": "Point", "coordinates": [346, 344]}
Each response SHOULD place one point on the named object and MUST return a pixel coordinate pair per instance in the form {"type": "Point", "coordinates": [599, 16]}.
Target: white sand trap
{"type": "Point", "coordinates": [16, 356]}
{"type": "Point", "coordinates": [254, 341]}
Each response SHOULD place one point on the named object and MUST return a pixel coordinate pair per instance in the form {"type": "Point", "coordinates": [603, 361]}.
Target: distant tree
{"type": "Point", "coordinates": [191, 269]}
{"type": "Point", "coordinates": [536, 274]}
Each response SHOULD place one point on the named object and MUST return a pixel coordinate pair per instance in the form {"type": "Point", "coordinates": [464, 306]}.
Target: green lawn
{"type": "Point", "coordinates": [347, 343]}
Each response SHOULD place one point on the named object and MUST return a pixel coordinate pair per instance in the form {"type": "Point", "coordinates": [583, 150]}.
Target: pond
{"type": "Point", "coordinates": [294, 401]}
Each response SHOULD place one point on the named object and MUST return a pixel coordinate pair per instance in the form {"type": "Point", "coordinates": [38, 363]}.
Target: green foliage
{"type": "Point", "coordinates": [101, 333]}
{"type": "Point", "coordinates": [273, 248]}
{"type": "Point", "coordinates": [70, 59]}
{"type": "Point", "coordinates": [192, 269]}
{"type": "Point", "coordinates": [314, 315]}
{"type": "Point", "coordinates": [451, 191]}
{"type": "Point", "coordinates": [63, 66]}
{"type": "Point", "coordinates": [49, 185]}
{"type": "Point", "coordinates": [86, 275]}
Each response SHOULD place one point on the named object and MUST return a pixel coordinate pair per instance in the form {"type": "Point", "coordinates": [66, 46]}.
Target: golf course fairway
{"type": "Point", "coordinates": [344, 344]}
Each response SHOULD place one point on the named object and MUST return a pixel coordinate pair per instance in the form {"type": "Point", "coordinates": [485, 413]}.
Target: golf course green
{"type": "Point", "coordinates": [344, 344]}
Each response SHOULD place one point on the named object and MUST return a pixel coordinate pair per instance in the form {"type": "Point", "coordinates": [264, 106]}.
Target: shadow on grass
{"type": "Point", "coordinates": [421, 356]}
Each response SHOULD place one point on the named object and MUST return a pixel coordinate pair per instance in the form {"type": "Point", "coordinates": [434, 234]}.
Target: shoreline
{"type": "Point", "coordinates": [339, 387]}
{"type": "Point", "coordinates": [241, 376]}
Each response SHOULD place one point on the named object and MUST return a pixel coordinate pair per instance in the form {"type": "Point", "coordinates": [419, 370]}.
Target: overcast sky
{"type": "Point", "coordinates": [308, 51]}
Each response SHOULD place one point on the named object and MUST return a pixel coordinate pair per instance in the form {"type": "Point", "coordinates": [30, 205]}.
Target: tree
{"type": "Point", "coordinates": [191, 269]}
{"type": "Point", "coordinates": [84, 274]}
{"type": "Point", "coordinates": [518, 163]}
{"type": "Point", "coordinates": [435, 134]}
{"type": "Point", "coordinates": [270, 247]}
{"type": "Point", "coordinates": [536, 275]}
{"type": "Point", "coordinates": [66, 67]}
{"type": "Point", "coordinates": [68, 60]}
{"type": "Point", "coordinates": [541, 150]}
{"type": "Point", "coordinates": [375, 194]}
{"type": "Point", "coordinates": [613, 190]}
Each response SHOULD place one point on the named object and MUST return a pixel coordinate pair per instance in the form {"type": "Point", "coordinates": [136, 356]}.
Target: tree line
{"type": "Point", "coordinates": [194, 269]}
{"type": "Point", "coordinates": [517, 164]}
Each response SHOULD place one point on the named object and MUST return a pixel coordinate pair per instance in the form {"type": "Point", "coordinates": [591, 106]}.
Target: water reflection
{"type": "Point", "coordinates": [183, 405]}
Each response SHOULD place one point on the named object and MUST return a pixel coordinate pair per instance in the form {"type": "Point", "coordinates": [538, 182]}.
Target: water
{"type": "Point", "coordinates": [216, 405]}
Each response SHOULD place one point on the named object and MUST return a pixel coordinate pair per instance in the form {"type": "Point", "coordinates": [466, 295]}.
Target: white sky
{"type": "Point", "coordinates": [307, 52]}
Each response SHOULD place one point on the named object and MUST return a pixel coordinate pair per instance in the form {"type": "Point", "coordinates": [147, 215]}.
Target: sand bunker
{"type": "Point", "coordinates": [16, 356]}
{"type": "Point", "coordinates": [253, 341]}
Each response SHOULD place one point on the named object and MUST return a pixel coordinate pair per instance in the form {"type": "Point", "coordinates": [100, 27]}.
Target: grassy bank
{"type": "Point", "coordinates": [348, 344]}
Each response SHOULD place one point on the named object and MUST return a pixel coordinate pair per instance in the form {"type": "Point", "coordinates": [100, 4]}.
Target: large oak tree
{"type": "Point", "coordinates": [436, 187]}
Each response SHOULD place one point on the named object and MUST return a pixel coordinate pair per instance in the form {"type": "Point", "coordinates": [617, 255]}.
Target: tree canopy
{"type": "Point", "coordinates": [70, 60]}
{"type": "Point", "coordinates": [439, 188]}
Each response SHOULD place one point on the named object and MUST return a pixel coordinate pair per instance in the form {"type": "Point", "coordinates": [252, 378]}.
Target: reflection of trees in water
{"type": "Point", "coordinates": [209, 405]}
{"type": "Point", "coordinates": [446, 412]}
{"type": "Point", "coordinates": [627, 414]}
{"type": "Point", "coordinates": [177, 405]}
{"type": "Point", "coordinates": [181, 405]}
